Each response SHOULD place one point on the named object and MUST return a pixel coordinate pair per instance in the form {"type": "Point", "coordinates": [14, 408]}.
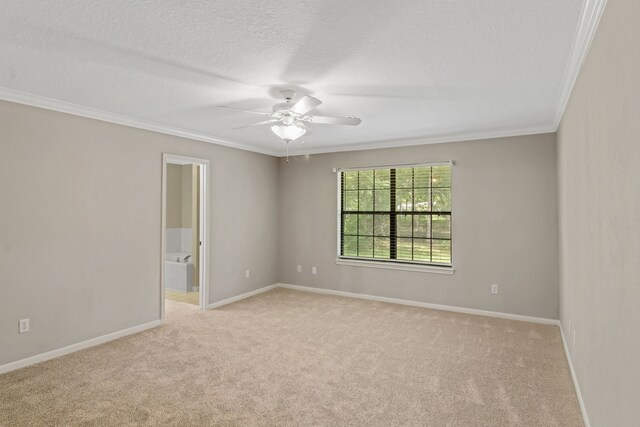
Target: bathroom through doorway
{"type": "Point", "coordinates": [184, 231]}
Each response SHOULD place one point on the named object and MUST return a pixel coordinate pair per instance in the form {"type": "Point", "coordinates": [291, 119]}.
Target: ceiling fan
{"type": "Point", "coordinates": [289, 119]}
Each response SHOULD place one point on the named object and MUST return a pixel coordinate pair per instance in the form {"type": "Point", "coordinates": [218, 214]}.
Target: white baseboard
{"type": "Point", "coordinates": [12, 366]}
{"type": "Point", "coordinates": [583, 409]}
{"type": "Point", "coordinates": [423, 304]}
{"type": "Point", "coordinates": [240, 297]}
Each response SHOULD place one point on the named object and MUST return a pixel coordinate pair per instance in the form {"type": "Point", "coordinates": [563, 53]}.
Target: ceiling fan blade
{"type": "Point", "coordinates": [266, 122]}
{"type": "Point", "coordinates": [305, 104]}
{"type": "Point", "coordinates": [244, 111]}
{"type": "Point", "coordinates": [328, 120]}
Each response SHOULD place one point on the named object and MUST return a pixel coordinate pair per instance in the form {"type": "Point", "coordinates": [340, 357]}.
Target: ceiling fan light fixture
{"type": "Point", "coordinates": [288, 132]}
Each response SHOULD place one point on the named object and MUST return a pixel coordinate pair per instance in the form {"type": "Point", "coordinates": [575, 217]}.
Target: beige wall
{"type": "Point", "coordinates": [181, 184]}
{"type": "Point", "coordinates": [504, 226]}
{"type": "Point", "coordinates": [187, 195]}
{"type": "Point", "coordinates": [80, 244]}
{"type": "Point", "coordinates": [174, 196]}
{"type": "Point", "coordinates": [599, 199]}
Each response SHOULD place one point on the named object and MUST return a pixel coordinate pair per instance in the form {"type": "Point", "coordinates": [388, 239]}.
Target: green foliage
{"type": "Point", "coordinates": [350, 246]}
{"type": "Point", "coordinates": [441, 251]}
{"type": "Point", "coordinates": [365, 225]}
{"type": "Point", "coordinates": [350, 224]}
{"type": "Point", "coordinates": [404, 199]}
{"type": "Point", "coordinates": [404, 178]}
{"type": "Point", "coordinates": [441, 199]}
{"type": "Point", "coordinates": [441, 226]}
{"type": "Point", "coordinates": [383, 200]}
{"type": "Point", "coordinates": [421, 177]}
{"type": "Point", "coordinates": [421, 199]}
{"type": "Point", "coordinates": [404, 249]}
{"type": "Point", "coordinates": [382, 178]}
{"type": "Point", "coordinates": [421, 250]}
{"type": "Point", "coordinates": [441, 176]}
{"type": "Point", "coordinates": [421, 226]}
{"type": "Point", "coordinates": [350, 200]}
{"type": "Point", "coordinates": [366, 200]}
{"type": "Point", "coordinates": [366, 179]}
{"type": "Point", "coordinates": [382, 225]}
{"type": "Point", "coordinates": [403, 224]}
{"type": "Point", "coordinates": [381, 247]}
{"type": "Point", "coordinates": [365, 247]}
{"type": "Point", "coordinates": [350, 180]}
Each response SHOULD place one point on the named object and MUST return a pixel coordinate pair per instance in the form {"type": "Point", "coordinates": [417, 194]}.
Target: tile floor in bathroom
{"type": "Point", "coordinates": [188, 297]}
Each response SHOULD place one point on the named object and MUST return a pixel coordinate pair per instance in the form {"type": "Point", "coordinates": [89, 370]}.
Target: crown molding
{"type": "Point", "coordinates": [591, 14]}
{"type": "Point", "coordinates": [589, 20]}
{"type": "Point", "coordinates": [425, 140]}
{"type": "Point", "coordinates": [19, 97]}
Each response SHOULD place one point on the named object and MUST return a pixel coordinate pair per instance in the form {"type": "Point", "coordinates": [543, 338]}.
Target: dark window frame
{"type": "Point", "coordinates": [393, 215]}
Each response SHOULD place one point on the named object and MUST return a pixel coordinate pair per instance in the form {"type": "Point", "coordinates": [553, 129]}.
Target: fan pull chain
{"type": "Point", "coordinates": [287, 144]}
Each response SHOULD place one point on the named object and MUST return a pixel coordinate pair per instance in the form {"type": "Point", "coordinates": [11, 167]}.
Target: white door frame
{"type": "Point", "coordinates": [203, 229]}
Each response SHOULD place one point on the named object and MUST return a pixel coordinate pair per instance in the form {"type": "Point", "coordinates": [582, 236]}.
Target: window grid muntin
{"type": "Point", "coordinates": [392, 213]}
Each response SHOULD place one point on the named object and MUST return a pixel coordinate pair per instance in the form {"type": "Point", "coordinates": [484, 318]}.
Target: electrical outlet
{"type": "Point", "coordinates": [23, 326]}
{"type": "Point", "coordinates": [299, 269]}
{"type": "Point", "coordinates": [314, 270]}
{"type": "Point", "coordinates": [494, 289]}
{"type": "Point", "coordinates": [247, 274]}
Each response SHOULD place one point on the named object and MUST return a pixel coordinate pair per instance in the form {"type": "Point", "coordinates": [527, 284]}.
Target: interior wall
{"type": "Point", "coordinates": [504, 226]}
{"type": "Point", "coordinates": [80, 230]}
{"type": "Point", "coordinates": [599, 201]}
{"type": "Point", "coordinates": [181, 184]}
{"type": "Point", "coordinates": [187, 195]}
{"type": "Point", "coordinates": [174, 196]}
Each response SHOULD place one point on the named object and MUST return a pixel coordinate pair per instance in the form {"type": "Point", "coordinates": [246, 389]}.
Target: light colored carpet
{"type": "Point", "coordinates": [297, 358]}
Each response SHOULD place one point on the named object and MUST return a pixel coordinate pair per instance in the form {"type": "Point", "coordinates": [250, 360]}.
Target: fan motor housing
{"type": "Point", "coordinates": [283, 106]}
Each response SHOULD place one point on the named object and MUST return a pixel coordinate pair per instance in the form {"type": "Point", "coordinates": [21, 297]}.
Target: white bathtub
{"type": "Point", "coordinates": [176, 256]}
{"type": "Point", "coordinates": [178, 275]}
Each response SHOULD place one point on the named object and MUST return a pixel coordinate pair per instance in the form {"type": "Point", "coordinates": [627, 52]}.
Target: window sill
{"type": "Point", "coordinates": [396, 266]}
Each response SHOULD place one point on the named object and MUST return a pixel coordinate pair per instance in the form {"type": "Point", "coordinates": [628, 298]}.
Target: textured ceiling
{"type": "Point", "coordinates": [427, 69]}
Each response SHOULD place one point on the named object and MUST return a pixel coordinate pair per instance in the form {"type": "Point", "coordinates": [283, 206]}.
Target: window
{"type": "Point", "coordinates": [397, 214]}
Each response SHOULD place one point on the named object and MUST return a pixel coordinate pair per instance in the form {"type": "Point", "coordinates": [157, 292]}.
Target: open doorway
{"type": "Point", "coordinates": [184, 226]}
